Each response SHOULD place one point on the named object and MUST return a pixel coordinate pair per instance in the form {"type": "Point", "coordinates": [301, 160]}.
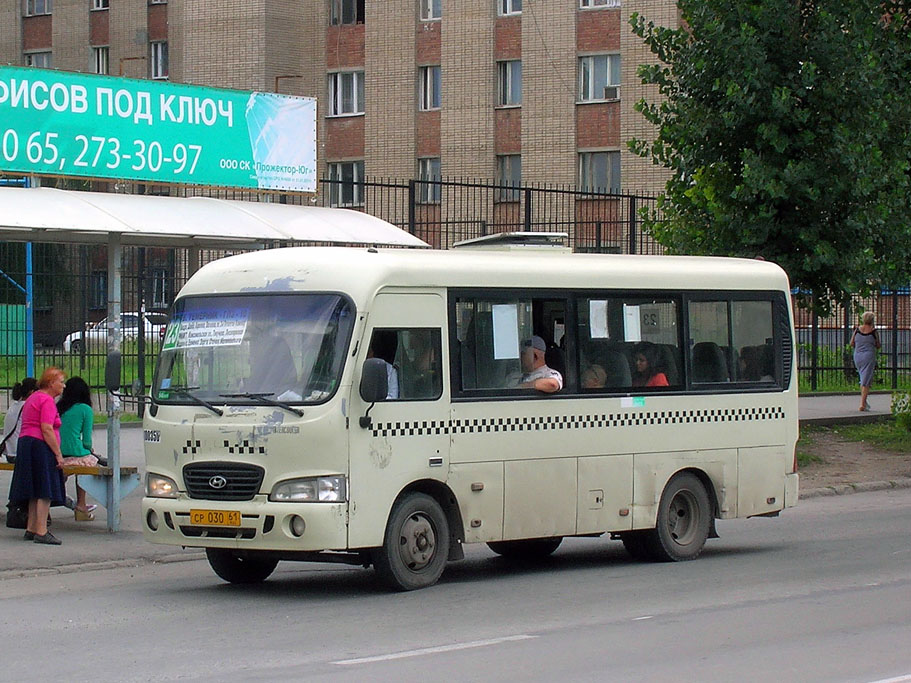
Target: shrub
{"type": "Point", "coordinates": [901, 409]}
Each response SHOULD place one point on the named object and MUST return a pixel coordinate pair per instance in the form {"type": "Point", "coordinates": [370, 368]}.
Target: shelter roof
{"type": "Point", "coordinates": [50, 215]}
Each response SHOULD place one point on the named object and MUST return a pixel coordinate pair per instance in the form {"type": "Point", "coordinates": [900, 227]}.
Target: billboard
{"type": "Point", "coordinates": [64, 123]}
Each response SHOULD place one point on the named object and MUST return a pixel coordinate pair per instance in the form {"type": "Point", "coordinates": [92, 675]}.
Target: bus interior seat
{"type": "Point", "coordinates": [556, 359]}
{"type": "Point", "coordinates": [709, 364]}
{"type": "Point", "coordinates": [667, 356]}
{"type": "Point", "coordinates": [616, 365]}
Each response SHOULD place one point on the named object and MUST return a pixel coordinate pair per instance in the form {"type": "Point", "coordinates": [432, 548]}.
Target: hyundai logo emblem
{"type": "Point", "coordinates": [218, 482]}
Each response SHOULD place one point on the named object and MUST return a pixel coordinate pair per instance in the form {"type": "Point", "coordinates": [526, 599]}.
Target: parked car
{"type": "Point", "coordinates": [94, 337]}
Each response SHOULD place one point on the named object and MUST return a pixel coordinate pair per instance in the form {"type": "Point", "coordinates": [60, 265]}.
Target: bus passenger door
{"type": "Point", "coordinates": [408, 436]}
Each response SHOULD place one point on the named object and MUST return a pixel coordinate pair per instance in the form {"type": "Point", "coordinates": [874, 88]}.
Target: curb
{"type": "Point", "coordinates": [862, 487]}
{"type": "Point", "coordinates": [30, 572]}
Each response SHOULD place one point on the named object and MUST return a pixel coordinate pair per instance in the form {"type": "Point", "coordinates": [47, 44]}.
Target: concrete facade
{"type": "Point", "coordinates": [293, 47]}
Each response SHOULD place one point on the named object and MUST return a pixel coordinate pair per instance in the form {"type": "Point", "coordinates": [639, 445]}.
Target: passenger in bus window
{"type": "Point", "coordinates": [594, 377]}
{"type": "Point", "coordinates": [647, 373]}
{"type": "Point", "coordinates": [536, 373]}
{"type": "Point", "coordinates": [384, 345]}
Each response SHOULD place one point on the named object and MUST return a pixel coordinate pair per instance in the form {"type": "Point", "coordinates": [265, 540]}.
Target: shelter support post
{"type": "Point", "coordinates": [115, 266]}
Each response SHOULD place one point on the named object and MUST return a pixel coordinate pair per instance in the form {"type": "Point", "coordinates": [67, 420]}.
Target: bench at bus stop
{"type": "Point", "coordinates": [98, 483]}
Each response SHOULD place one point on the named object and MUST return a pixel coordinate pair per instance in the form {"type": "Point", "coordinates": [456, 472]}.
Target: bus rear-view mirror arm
{"type": "Point", "coordinates": [112, 379]}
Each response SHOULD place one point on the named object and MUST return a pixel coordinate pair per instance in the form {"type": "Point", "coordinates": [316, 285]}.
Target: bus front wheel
{"type": "Point", "coordinates": [416, 544]}
{"type": "Point", "coordinates": [684, 521]}
{"type": "Point", "coordinates": [235, 568]}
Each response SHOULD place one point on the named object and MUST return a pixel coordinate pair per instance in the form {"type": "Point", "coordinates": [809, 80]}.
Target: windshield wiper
{"type": "Point", "coordinates": [187, 392]}
{"type": "Point", "coordinates": [265, 400]}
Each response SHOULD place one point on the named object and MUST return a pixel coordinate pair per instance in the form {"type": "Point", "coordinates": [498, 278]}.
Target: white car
{"type": "Point", "coordinates": [95, 335]}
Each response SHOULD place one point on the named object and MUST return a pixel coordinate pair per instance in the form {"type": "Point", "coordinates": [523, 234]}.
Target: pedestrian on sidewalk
{"type": "Point", "coordinates": [38, 476]}
{"type": "Point", "coordinates": [76, 420]}
{"type": "Point", "coordinates": [12, 422]}
{"type": "Point", "coordinates": [865, 341]}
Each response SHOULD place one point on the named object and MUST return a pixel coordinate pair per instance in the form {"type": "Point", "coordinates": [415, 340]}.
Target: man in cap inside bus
{"type": "Point", "coordinates": [536, 374]}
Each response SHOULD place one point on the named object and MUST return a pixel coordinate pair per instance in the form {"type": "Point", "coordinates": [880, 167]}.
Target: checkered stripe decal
{"type": "Point", "coordinates": [588, 421]}
{"type": "Point", "coordinates": [245, 448]}
{"type": "Point", "coordinates": [192, 447]}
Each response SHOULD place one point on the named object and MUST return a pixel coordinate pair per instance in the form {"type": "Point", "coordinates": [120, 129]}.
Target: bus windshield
{"type": "Point", "coordinates": [251, 349]}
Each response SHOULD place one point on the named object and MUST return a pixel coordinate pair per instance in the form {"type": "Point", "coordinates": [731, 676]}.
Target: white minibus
{"type": "Point", "coordinates": [380, 406]}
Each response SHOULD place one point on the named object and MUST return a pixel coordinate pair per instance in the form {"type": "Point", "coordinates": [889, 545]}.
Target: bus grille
{"type": "Point", "coordinates": [222, 480]}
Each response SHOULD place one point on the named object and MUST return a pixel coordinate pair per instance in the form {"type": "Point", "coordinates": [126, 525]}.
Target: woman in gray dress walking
{"type": "Point", "coordinates": [865, 341]}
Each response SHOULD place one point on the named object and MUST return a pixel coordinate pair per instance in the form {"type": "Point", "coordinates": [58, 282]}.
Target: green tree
{"type": "Point", "coordinates": [785, 123]}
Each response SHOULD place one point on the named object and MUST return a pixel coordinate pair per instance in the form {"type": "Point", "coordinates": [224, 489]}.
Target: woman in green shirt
{"type": "Point", "coordinates": [75, 408]}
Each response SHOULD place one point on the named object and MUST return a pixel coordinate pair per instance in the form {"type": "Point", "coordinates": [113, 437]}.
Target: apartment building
{"type": "Point", "coordinates": [517, 91]}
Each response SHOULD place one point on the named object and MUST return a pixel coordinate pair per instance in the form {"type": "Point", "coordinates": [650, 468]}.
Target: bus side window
{"type": "Point", "coordinates": [413, 358]}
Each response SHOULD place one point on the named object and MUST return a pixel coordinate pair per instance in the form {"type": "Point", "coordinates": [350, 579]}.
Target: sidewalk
{"type": "Point", "coordinates": [88, 545]}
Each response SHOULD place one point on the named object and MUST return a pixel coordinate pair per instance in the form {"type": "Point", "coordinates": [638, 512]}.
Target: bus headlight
{"type": "Point", "coordinates": [158, 486]}
{"type": "Point", "coordinates": [310, 490]}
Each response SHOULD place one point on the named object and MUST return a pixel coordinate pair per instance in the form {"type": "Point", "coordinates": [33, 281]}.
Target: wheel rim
{"type": "Point", "coordinates": [417, 542]}
{"type": "Point", "coordinates": [683, 517]}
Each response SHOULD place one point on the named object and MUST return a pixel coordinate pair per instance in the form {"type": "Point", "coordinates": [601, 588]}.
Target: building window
{"type": "Point", "coordinates": [431, 9]}
{"type": "Point", "coordinates": [509, 177]}
{"type": "Point", "coordinates": [588, 4]}
{"type": "Point", "coordinates": [158, 2]}
{"type": "Point", "coordinates": [100, 56]}
{"type": "Point", "coordinates": [509, 82]}
{"type": "Point", "coordinates": [101, 4]}
{"type": "Point", "coordinates": [430, 87]}
{"type": "Point", "coordinates": [505, 7]}
{"type": "Point", "coordinates": [599, 172]}
{"type": "Point", "coordinates": [346, 183]}
{"type": "Point", "coordinates": [599, 78]}
{"type": "Point", "coordinates": [40, 60]}
{"type": "Point", "coordinates": [160, 288]}
{"type": "Point", "coordinates": [346, 12]}
{"type": "Point", "coordinates": [159, 60]}
{"type": "Point", "coordinates": [33, 7]}
{"type": "Point", "coordinates": [429, 190]}
{"type": "Point", "coordinates": [346, 93]}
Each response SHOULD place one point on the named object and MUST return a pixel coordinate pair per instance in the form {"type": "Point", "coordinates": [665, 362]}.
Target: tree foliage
{"type": "Point", "coordinates": [786, 126]}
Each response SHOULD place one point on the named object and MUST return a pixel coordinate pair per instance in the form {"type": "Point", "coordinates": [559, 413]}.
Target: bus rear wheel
{"type": "Point", "coordinates": [684, 521]}
{"type": "Point", "coordinates": [416, 545]}
{"type": "Point", "coordinates": [527, 550]}
{"type": "Point", "coordinates": [234, 568]}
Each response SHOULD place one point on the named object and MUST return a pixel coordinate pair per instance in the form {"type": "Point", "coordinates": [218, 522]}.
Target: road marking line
{"type": "Point", "coordinates": [433, 650]}
{"type": "Point", "coordinates": [642, 618]}
{"type": "Point", "coordinates": [897, 679]}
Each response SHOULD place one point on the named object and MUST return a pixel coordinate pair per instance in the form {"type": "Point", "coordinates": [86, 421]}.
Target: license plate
{"type": "Point", "coordinates": [214, 518]}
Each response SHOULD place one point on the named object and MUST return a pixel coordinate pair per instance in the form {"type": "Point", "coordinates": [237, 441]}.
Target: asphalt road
{"type": "Point", "coordinates": [822, 593]}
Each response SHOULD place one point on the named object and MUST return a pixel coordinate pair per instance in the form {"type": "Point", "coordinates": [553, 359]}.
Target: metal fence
{"type": "Point", "coordinates": [70, 281]}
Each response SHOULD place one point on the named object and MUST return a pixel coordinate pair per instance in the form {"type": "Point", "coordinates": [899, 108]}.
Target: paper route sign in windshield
{"type": "Point", "coordinates": [207, 327]}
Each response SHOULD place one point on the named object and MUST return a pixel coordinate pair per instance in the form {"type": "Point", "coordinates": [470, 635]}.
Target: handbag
{"type": "Point", "coordinates": [17, 514]}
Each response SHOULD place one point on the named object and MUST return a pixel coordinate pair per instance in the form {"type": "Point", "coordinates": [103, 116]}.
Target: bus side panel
{"type": "Point", "coordinates": [605, 494]}
{"type": "Point", "coordinates": [762, 479]}
{"type": "Point", "coordinates": [652, 472]}
{"type": "Point", "coordinates": [479, 489]}
{"type": "Point", "coordinates": [536, 504]}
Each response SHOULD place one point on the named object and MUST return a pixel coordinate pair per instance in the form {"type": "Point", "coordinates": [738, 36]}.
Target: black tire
{"type": "Point", "coordinates": [528, 550]}
{"type": "Point", "coordinates": [76, 346]}
{"type": "Point", "coordinates": [416, 545]}
{"type": "Point", "coordinates": [235, 568]}
{"type": "Point", "coordinates": [636, 544]}
{"type": "Point", "coordinates": [684, 521]}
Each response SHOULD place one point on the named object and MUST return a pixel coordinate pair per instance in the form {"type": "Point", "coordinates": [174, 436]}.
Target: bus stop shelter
{"type": "Point", "coordinates": [118, 220]}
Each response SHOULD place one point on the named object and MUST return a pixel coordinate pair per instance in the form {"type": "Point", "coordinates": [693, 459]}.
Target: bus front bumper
{"type": "Point", "coordinates": [252, 525]}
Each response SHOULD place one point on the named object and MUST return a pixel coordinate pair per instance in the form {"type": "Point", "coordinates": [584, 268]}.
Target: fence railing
{"type": "Point", "coordinates": [70, 281]}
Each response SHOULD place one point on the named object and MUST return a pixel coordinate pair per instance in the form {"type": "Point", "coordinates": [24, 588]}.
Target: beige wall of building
{"type": "Point", "coordinates": [640, 175]}
{"type": "Point", "coordinates": [10, 33]}
{"type": "Point", "coordinates": [549, 91]}
{"type": "Point", "coordinates": [390, 89]}
{"type": "Point", "coordinates": [70, 35]}
{"type": "Point", "coordinates": [129, 39]}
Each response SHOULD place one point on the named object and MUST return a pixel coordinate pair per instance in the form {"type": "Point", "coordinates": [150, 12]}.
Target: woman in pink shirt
{"type": "Point", "coordinates": [38, 477]}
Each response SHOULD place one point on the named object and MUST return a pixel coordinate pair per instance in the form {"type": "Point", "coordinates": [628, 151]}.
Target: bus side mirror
{"type": "Point", "coordinates": [112, 372]}
{"type": "Point", "coordinates": [374, 386]}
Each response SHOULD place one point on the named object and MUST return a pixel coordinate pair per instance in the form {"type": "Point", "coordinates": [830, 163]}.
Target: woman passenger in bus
{"type": "Point", "coordinates": [594, 377]}
{"type": "Point", "coordinates": [647, 373]}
